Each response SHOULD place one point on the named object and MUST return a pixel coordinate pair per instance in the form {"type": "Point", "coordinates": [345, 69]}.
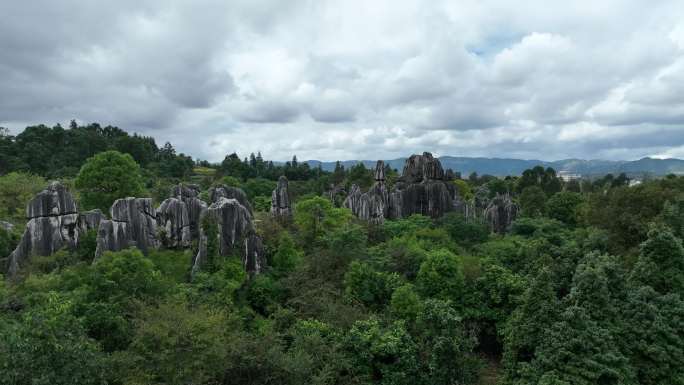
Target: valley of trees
{"type": "Point", "coordinates": [586, 288]}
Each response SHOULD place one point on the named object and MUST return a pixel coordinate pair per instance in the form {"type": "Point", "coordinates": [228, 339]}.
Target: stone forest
{"type": "Point", "coordinates": [124, 262]}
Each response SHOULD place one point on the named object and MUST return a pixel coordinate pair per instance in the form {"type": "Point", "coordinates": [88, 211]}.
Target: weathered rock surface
{"type": "Point", "coordinates": [280, 200]}
{"type": "Point", "coordinates": [500, 213]}
{"type": "Point", "coordinates": [185, 190]}
{"type": "Point", "coordinates": [475, 209]}
{"type": "Point", "coordinates": [52, 224]}
{"type": "Point", "coordinates": [189, 194]}
{"type": "Point", "coordinates": [174, 223]}
{"type": "Point", "coordinates": [90, 220]}
{"type": "Point", "coordinates": [133, 223]}
{"type": "Point", "coordinates": [374, 205]}
{"type": "Point", "coordinates": [254, 259]}
{"type": "Point", "coordinates": [236, 234]}
{"type": "Point", "coordinates": [420, 168]}
{"type": "Point", "coordinates": [420, 190]}
{"type": "Point", "coordinates": [223, 191]}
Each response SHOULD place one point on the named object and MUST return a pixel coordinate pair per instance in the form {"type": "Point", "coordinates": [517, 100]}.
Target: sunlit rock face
{"type": "Point", "coordinates": [280, 201]}
{"type": "Point", "coordinates": [235, 234]}
{"type": "Point", "coordinates": [174, 223]}
{"type": "Point", "coordinates": [222, 191]}
{"type": "Point", "coordinates": [373, 205]}
{"type": "Point", "coordinates": [500, 213]}
{"type": "Point", "coordinates": [133, 223]}
{"type": "Point", "coordinates": [53, 223]}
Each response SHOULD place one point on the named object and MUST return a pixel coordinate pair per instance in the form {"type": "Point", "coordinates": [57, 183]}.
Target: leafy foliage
{"type": "Point", "coordinates": [107, 177]}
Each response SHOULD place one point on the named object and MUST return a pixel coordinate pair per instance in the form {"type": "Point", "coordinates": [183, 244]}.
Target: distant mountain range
{"type": "Point", "coordinates": [503, 166]}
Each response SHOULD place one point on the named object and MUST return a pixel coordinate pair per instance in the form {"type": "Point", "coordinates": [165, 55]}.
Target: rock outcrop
{"type": "Point", "coordinates": [52, 224]}
{"type": "Point", "coordinates": [90, 220]}
{"type": "Point", "coordinates": [189, 194]}
{"type": "Point", "coordinates": [235, 234]}
{"type": "Point", "coordinates": [174, 223]}
{"type": "Point", "coordinates": [280, 200]}
{"type": "Point", "coordinates": [373, 205]}
{"type": "Point", "coordinates": [223, 191]}
{"type": "Point", "coordinates": [500, 213]}
{"type": "Point", "coordinates": [421, 189]}
{"type": "Point", "coordinates": [133, 223]}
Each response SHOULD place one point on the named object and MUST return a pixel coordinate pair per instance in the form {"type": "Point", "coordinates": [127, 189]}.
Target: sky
{"type": "Point", "coordinates": [338, 80]}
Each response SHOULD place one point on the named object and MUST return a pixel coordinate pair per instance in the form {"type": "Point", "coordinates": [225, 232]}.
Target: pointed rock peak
{"type": "Point", "coordinates": [380, 171]}
{"type": "Point", "coordinates": [420, 168]}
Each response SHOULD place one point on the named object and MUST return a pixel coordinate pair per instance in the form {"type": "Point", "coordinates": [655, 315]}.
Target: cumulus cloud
{"type": "Point", "coordinates": [355, 79]}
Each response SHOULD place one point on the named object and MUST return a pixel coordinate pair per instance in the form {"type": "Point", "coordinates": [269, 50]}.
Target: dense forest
{"type": "Point", "coordinates": [586, 285]}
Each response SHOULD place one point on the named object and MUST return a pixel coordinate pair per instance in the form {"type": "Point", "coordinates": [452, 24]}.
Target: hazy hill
{"type": "Point", "coordinates": [506, 166]}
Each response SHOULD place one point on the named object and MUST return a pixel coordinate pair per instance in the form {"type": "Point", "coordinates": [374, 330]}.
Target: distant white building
{"type": "Point", "coordinates": [634, 182]}
{"type": "Point", "coordinates": [567, 176]}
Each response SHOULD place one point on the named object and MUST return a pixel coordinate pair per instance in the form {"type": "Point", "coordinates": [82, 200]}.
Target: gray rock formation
{"type": "Point", "coordinates": [421, 189]}
{"type": "Point", "coordinates": [133, 223]}
{"type": "Point", "coordinates": [236, 234]}
{"type": "Point", "coordinates": [189, 194]}
{"type": "Point", "coordinates": [373, 205]}
{"type": "Point", "coordinates": [183, 191]}
{"type": "Point", "coordinates": [52, 224]}
{"type": "Point", "coordinates": [280, 200]}
{"type": "Point", "coordinates": [421, 168]}
{"type": "Point", "coordinates": [254, 258]}
{"type": "Point", "coordinates": [500, 213]}
{"type": "Point", "coordinates": [223, 191]}
{"type": "Point", "coordinates": [89, 220]}
{"type": "Point", "coordinates": [474, 210]}
{"type": "Point", "coordinates": [174, 223]}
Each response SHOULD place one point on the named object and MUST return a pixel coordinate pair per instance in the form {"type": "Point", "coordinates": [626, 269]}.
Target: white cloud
{"type": "Point", "coordinates": [355, 79]}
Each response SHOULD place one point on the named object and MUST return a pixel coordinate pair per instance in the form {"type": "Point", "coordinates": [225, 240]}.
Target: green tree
{"type": "Point", "coordinates": [441, 276]}
{"type": "Point", "coordinates": [107, 177]}
{"type": "Point", "coordinates": [525, 329]}
{"type": "Point", "coordinates": [652, 336]}
{"type": "Point", "coordinates": [661, 262]}
{"type": "Point", "coordinates": [286, 256]}
{"type": "Point", "coordinates": [532, 201]}
{"type": "Point", "coordinates": [370, 287]}
{"type": "Point", "coordinates": [446, 345]}
{"type": "Point", "coordinates": [317, 216]}
{"type": "Point", "coordinates": [382, 354]}
{"type": "Point", "coordinates": [175, 344]}
{"type": "Point", "coordinates": [579, 350]}
{"type": "Point", "coordinates": [48, 346]}
{"type": "Point", "coordinates": [16, 190]}
{"type": "Point", "coordinates": [466, 233]}
{"type": "Point", "coordinates": [406, 303]}
{"type": "Point", "coordinates": [563, 207]}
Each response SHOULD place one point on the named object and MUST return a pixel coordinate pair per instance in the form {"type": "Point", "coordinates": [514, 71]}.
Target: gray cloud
{"type": "Point", "coordinates": [332, 80]}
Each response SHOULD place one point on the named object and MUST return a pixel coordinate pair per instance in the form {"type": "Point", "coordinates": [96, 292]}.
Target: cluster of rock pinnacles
{"type": "Point", "coordinates": [425, 188]}
{"type": "Point", "coordinates": [54, 221]}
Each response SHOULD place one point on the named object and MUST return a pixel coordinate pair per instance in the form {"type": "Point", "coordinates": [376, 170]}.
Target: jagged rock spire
{"type": "Point", "coordinates": [280, 200]}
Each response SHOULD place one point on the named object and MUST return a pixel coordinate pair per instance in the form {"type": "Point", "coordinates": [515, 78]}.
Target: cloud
{"type": "Point", "coordinates": [341, 80]}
